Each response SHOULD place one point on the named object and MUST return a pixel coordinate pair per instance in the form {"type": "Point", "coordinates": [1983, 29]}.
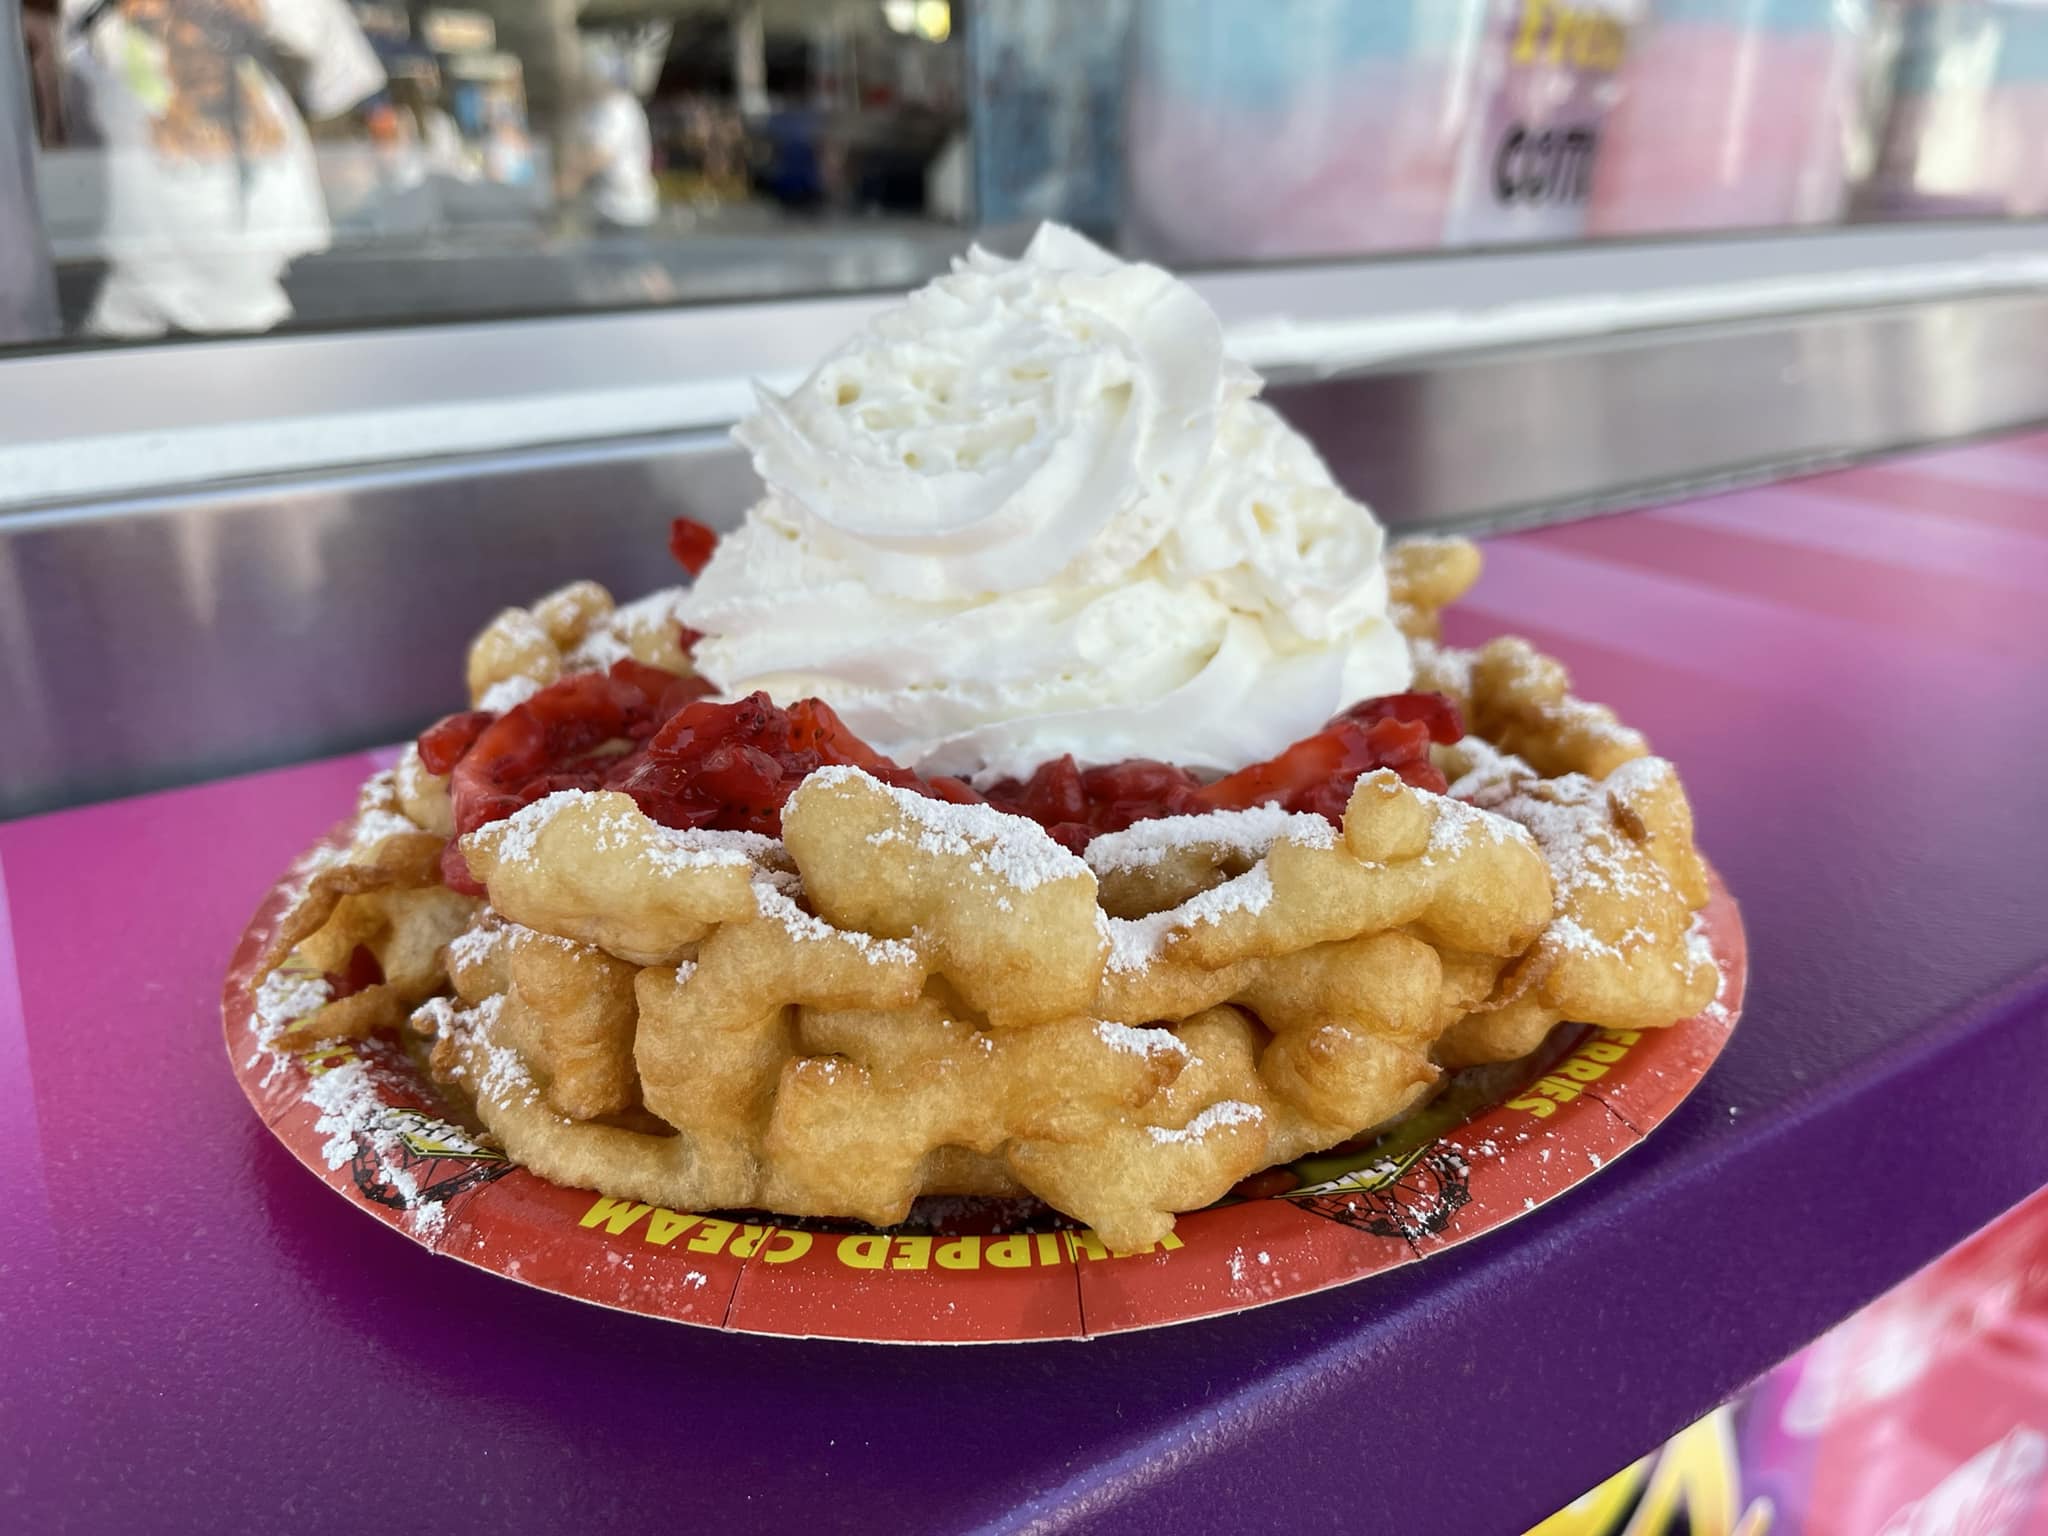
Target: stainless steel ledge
{"type": "Point", "coordinates": [97, 422]}
{"type": "Point", "coordinates": [1495, 439]}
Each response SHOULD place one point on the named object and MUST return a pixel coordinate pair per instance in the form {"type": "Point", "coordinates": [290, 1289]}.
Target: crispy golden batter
{"type": "Point", "coordinates": [1006, 914]}
{"type": "Point", "coordinates": [904, 997]}
{"type": "Point", "coordinates": [423, 796]}
{"type": "Point", "coordinates": [590, 867]}
{"type": "Point", "coordinates": [1520, 701]}
{"type": "Point", "coordinates": [574, 629]}
{"type": "Point", "coordinates": [380, 891]}
{"type": "Point", "coordinates": [1620, 949]}
{"type": "Point", "coordinates": [1424, 576]}
{"type": "Point", "coordinates": [812, 1065]}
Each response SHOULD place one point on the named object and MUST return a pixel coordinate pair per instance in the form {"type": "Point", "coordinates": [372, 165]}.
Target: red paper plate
{"type": "Point", "coordinates": [1496, 1144]}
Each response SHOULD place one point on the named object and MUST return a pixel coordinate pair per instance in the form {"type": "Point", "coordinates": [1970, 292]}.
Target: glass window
{"type": "Point", "coordinates": [224, 166]}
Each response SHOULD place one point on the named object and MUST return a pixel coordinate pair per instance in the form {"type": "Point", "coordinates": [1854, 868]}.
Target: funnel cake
{"type": "Point", "coordinates": [695, 912]}
{"type": "Point", "coordinates": [904, 996]}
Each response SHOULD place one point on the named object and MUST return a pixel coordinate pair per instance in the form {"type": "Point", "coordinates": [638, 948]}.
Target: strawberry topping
{"type": "Point", "coordinates": [688, 761]}
{"type": "Point", "coordinates": [692, 543]}
{"type": "Point", "coordinates": [1315, 774]}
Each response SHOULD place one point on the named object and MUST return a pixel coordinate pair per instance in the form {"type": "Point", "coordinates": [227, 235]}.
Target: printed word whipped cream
{"type": "Point", "coordinates": [1036, 510]}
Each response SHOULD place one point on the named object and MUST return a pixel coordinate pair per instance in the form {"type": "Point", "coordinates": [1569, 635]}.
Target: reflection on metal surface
{"type": "Point", "coordinates": [164, 641]}
{"type": "Point", "coordinates": [28, 297]}
{"type": "Point", "coordinates": [124, 422]}
{"type": "Point", "coordinates": [160, 641]}
{"type": "Point", "coordinates": [1495, 439]}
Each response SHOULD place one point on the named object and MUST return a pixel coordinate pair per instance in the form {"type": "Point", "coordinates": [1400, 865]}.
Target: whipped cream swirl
{"type": "Point", "coordinates": [1036, 510]}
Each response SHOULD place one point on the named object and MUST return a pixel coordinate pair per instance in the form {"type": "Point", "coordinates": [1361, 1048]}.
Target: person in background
{"type": "Point", "coordinates": [212, 189]}
{"type": "Point", "coordinates": [507, 145]}
{"type": "Point", "coordinates": [609, 170]}
{"type": "Point", "coordinates": [420, 156]}
{"type": "Point", "coordinates": [430, 143]}
{"type": "Point", "coordinates": [28, 298]}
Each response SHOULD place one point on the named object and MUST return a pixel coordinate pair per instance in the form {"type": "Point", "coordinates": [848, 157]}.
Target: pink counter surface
{"type": "Point", "coordinates": [1852, 672]}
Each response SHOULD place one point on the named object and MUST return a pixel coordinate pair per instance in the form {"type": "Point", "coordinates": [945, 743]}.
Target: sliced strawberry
{"type": "Point", "coordinates": [692, 543]}
{"type": "Point", "coordinates": [442, 744]}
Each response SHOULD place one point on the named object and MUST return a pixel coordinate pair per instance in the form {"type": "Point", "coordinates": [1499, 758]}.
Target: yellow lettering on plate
{"type": "Point", "coordinates": [327, 1058]}
{"type": "Point", "coordinates": [712, 1237]}
{"type": "Point", "coordinates": [961, 1253]}
{"type": "Point", "coordinates": [617, 1215]}
{"type": "Point", "coordinates": [664, 1227]}
{"type": "Point", "coordinates": [912, 1253]}
{"type": "Point", "coordinates": [863, 1252]}
{"type": "Point", "coordinates": [1010, 1252]}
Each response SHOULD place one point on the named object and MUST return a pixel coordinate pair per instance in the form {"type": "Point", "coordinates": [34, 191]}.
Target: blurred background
{"type": "Point", "coordinates": [372, 161]}
{"type": "Point", "coordinates": [330, 327]}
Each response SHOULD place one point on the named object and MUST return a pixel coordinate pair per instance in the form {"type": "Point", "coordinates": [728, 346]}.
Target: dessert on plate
{"type": "Point", "coordinates": [1055, 786]}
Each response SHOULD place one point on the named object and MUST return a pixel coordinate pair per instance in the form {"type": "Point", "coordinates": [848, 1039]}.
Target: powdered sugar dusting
{"type": "Point", "coordinates": [1141, 1042]}
{"type": "Point", "coordinates": [1134, 942]}
{"type": "Point", "coordinates": [621, 828]}
{"type": "Point", "coordinates": [1575, 936]}
{"type": "Point", "coordinates": [1699, 950]}
{"type": "Point", "coordinates": [349, 1104]}
{"type": "Point", "coordinates": [671, 850]}
{"type": "Point", "coordinates": [1443, 668]}
{"type": "Point", "coordinates": [283, 998]}
{"type": "Point", "coordinates": [312, 864]}
{"type": "Point", "coordinates": [379, 792]}
{"type": "Point", "coordinates": [1600, 722]}
{"type": "Point", "coordinates": [596, 651]}
{"type": "Point", "coordinates": [503, 1077]}
{"type": "Point", "coordinates": [507, 693]}
{"type": "Point", "coordinates": [707, 846]}
{"type": "Point", "coordinates": [1492, 774]}
{"type": "Point", "coordinates": [473, 947]}
{"type": "Point", "coordinates": [524, 936]}
{"type": "Point", "coordinates": [613, 639]}
{"type": "Point", "coordinates": [647, 615]}
{"type": "Point", "coordinates": [358, 1125]}
{"type": "Point", "coordinates": [1227, 1112]}
{"type": "Point", "coordinates": [1572, 820]}
{"type": "Point", "coordinates": [515, 839]}
{"type": "Point", "coordinates": [373, 826]}
{"type": "Point", "coordinates": [1249, 833]}
{"type": "Point", "coordinates": [435, 1018]}
{"type": "Point", "coordinates": [377, 814]}
{"type": "Point", "coordinates": [1457, 824]}
{"type": "Point", "coordinates": [1639, 775]}
{"type": "Point", "coordinates": [778, 905]}
{"type": "Point", "coordinates": [1568, 830]}
{"type": "Point", "coordinates": [1012, 849]}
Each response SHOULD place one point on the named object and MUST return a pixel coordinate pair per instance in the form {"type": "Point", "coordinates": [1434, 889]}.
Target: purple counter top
{"type": "Point", "coordinates": [1852, 671]}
